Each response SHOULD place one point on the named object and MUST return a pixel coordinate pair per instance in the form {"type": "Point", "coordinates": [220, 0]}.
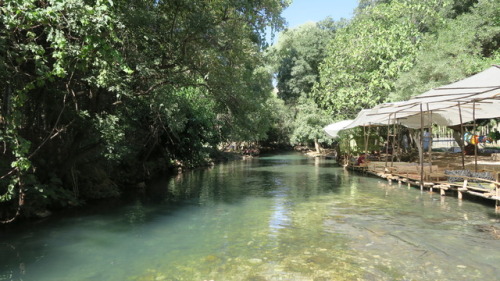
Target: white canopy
{"type": "Point", "coordinates": [444, 113]}
{"type": "Point", "coordinates": [484, 85]}
{"type": "Point", "coordinates": [478, 96]}
{"type": "Point", "coordinates": [333, 129]}
{"type": "Point", "coordinates": [454, 115]}
{"type": "Point", "coordinates": [475, 97]}
{"type": "Point", "coordinates": [370, 117]}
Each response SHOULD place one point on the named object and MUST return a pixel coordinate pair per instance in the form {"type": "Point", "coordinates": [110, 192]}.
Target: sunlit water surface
{"type": "Point", "coordinates": [282, 217]}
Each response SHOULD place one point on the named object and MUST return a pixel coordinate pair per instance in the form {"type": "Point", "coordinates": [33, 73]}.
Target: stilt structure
{"type": "Point", "coordinates": [474, 133]}
{"type": "Point", "coordinates": [462, 144]}
{"type": "Point", "coordinates": [421, 148]}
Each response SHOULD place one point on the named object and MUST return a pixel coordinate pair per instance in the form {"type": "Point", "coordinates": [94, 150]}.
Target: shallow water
{"type": "Point", "coordinates": [282, 217]}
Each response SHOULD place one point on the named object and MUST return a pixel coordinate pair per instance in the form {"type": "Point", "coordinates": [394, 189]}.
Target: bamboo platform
{"type": "Point", "coordinates": [435, 178]}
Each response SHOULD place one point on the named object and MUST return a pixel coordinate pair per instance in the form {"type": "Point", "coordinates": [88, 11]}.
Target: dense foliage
{"type": "Point", "coordinates": [95, 93]}
{"type": "Point", "coordinates": [466, 45]}
{"type": "Point", "coordinates": [367, 56]}
{"type": "Point", "coordinates": [390, 50]}
{"type": "Point", "coordinates": [295, 60]}
{"type": "Point", "coordinates": [393, 50]}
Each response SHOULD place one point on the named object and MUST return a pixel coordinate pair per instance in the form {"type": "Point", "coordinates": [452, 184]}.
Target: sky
{"type": "Point", "coordinates": [302, 11]}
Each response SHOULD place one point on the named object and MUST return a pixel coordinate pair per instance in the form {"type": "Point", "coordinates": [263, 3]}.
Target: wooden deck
{"type": "Point", "coordinates": [435, 178]}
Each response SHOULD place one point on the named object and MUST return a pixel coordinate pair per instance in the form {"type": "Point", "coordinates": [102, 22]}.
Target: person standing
{"type": "Point", "coordinates": [427, 140]}
{"type": "Point", "coordinates": [404, 143]}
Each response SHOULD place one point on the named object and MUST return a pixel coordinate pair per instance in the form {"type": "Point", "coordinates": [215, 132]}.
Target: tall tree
{"type": "Point", "coordinates": [297, 56]}
{"type": "Point", "coordinates": [94, 85]}
{"type": "Point", "coordinates": [295, 61]}
{"type": "Point", "coordinates": [368, 55]}
{"type": "Point", "coordinates": [466, 45]}
{"type": "Point", "coordinates": [309, 123]}
{"type": "Point", "coordinates": [61, 65]}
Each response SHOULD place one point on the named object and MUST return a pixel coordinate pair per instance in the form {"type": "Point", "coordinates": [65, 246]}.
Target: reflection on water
{"type": "Point", "coordinates": [282, 217]}
{"type": "Point", "coordinates": [280, 211]}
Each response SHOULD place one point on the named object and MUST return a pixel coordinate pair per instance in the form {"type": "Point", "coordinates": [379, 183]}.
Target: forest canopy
{"type": "Point", "coordinates": [97, 95]}
{"type": "Point", "coordinates": [390, 50]}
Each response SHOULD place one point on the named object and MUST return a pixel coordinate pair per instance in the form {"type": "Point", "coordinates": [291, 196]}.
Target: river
{"type": "Point", "coordinates": [282, 217]}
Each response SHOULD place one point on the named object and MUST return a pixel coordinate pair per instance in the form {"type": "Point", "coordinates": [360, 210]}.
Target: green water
{"type": "Point", "coordinates": [283, 217]}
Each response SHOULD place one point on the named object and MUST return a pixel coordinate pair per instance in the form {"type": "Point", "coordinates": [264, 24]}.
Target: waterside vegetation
{"type": "Point", "coordinates": [97, 96]}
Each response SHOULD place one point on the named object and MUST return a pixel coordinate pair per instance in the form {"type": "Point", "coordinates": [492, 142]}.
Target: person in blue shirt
{"type": "Point", "coordinates": [427, 140]}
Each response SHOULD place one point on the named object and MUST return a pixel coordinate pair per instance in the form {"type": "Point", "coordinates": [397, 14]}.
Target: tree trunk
{"type": "Point", "coordinates": [457, 136]}
{"type": "Point", "coordinates": [317, 146]}
{"type": "Point", "coordinates": [416, 138]}
{"type": "Point", "coordinates": [5, 104]}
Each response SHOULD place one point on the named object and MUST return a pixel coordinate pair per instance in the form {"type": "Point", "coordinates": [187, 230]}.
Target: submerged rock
{"type": "Point", "coordinates": [255, 261]}
{"type": "Point", "coordinates": [43, 213]}
{"type": "Point", "coordinates": [211, 258]}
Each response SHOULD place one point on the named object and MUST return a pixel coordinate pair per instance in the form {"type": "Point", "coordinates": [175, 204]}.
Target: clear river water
{"type": "Point", "coordinates": [282, 217]}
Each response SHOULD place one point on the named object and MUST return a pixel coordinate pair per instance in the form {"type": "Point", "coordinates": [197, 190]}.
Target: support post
{"type": "Point", "coordinates": [421, 150]}
{"type": "Point", "coordinates": [460, 194]}
{"type": "Point", "coordinates": [474, 133]}
{"type": "Point", "coordinates": [394, 151]}
{"type": "Point", "coordinates": [497, 202]}
{"type": "Point", "coordinates": [462, 145]}
{"type": "Point", "coordinates": [430, 140]}
{"type": "Point", "coordinates": [387, 142]}
{"type": "Point", "coordinates": [348, 150]}
{"type": "Point", "coordinates": [365, 141]}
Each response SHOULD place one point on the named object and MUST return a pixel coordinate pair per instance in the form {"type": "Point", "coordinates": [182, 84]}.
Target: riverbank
{"type": "Point", "coordinates": [91, 188]}
{"type": "Point", "coordinates": [324, 152]}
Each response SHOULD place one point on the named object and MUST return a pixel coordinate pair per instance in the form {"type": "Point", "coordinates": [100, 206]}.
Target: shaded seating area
{"type": "Point", "coordinates": [455, 105]}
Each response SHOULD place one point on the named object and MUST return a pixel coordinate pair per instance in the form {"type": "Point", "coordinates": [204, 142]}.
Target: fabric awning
{"type": "Point", "coordinates": [481, 86]}
{"type": "Point", "coordinates": [475, 97]}
{"type": "Point", "coordinates": [333, 129]}
{"type": "Point", "coordinates": [480, 91]}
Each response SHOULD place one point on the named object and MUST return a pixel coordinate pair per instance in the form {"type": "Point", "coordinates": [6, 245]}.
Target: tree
{"type": "Point", "coordinates": [466, 45]}
{"type": "Point", "coordinates": [369, 54]}
{"type": "Point", "coordinates": [295, 60]}
{"type": "Point", "coordinates": [309, 124]}
{"type": "Point", "coordinates": [297, 55]}
{"type": "Point", "coordinates": [97, 85]}
{"type": "Point", "coordinates": [58, 58]}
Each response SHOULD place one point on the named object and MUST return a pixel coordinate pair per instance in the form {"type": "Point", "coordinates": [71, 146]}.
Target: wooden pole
{"type": "Point", "coordinates": [464, 187]}
{"type": "Point", "coordinates": [366, 141]}
{"type": "Point", "coordinates": [497, 202]}
{"type": "Point", "coordinates": [474, 133]}
{"type": "Point", "coordinates": [394, 151]}
{"type": "Point", "coordinates": [368, 138]}
{"type": "Point", "coordinates": [348, 150]}
{"type": "Point", "coordinates": [430, 140]}
{"type": "Point", "coordinates": [421, 148]}
{"type": "Point", "coordinates": [462, 145]}
{"type": "Point", "coordinates": [387, 143]}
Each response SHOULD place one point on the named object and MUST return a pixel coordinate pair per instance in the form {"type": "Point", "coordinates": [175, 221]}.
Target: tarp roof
{"type": "Point", "coordinates": [443, 113]}
{"type": "Point", "coordinates": [333, 129]}
{"type": "Point", "coordinates": [480, 91]}
{"type": "Point", "coordinates": [483, 85]}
